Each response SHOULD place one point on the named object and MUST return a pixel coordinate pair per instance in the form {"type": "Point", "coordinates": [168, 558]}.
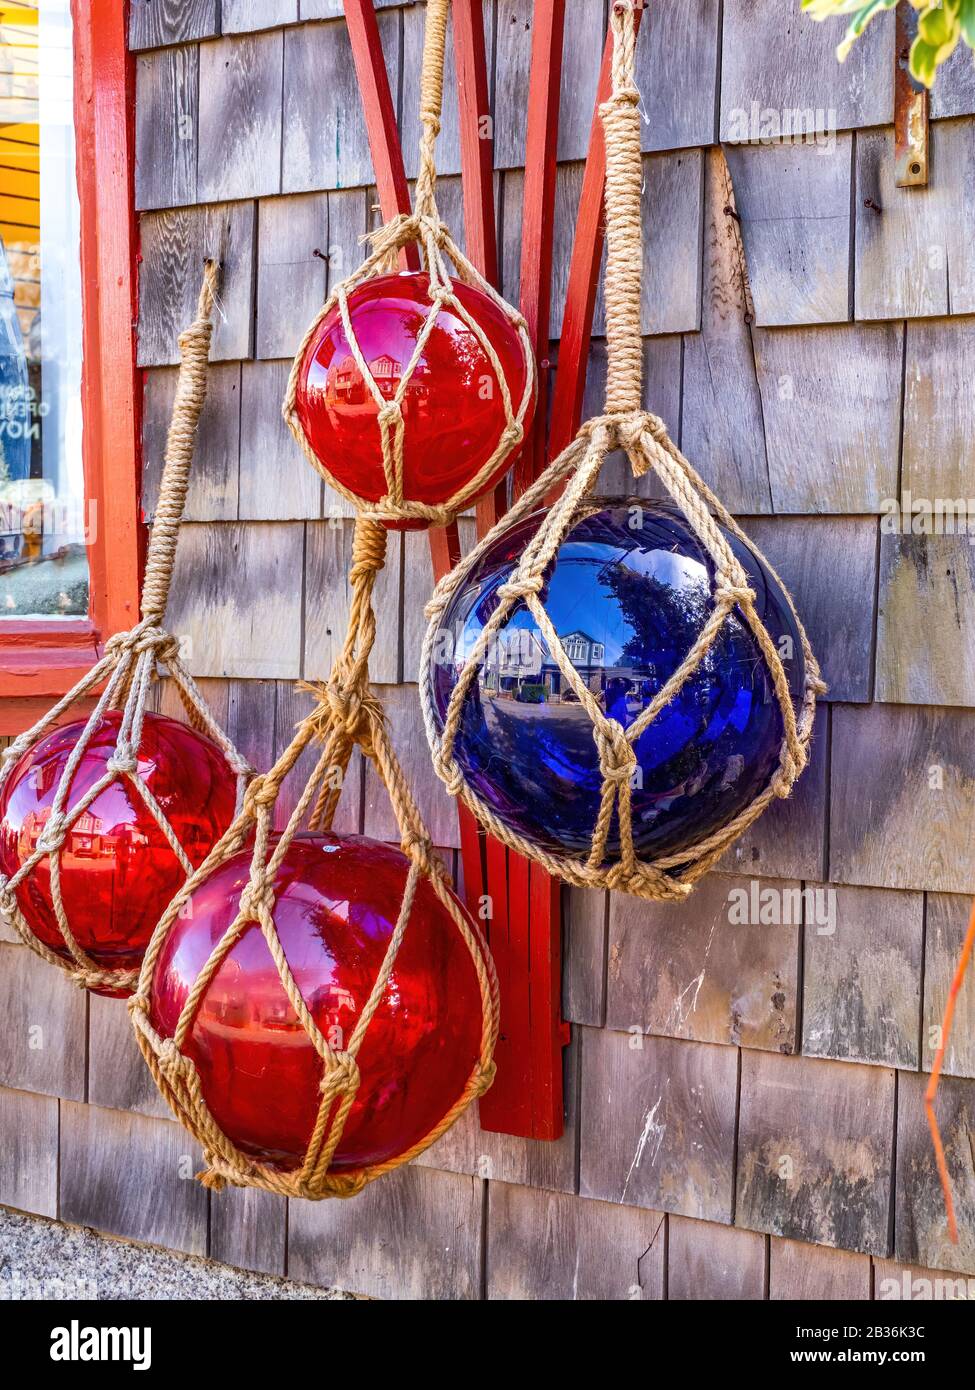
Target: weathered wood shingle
{"type": "Point", "coordinates": [862, 976]}
{"type": "Point", "coordinates": [167, 104]}
{"type": "Point", "coordinates": [658, 1123]}
{"type": "Point", "coordinates": [901, 797]}
{"type": "Point", "coordinates": [778, 63]}
{"type": "Point", "coordinates": [174, 245]}
{"type": "Point", "coordinates": [543, 1245]}
{"type": "Point", "coordinates": [698, 970]}
{"type": "Point", "coordinates": [154, 22]}
{"type": "Point", "coordinates": [914, 256]}
{"type": "Point", "coordinates": [921, 1224]}
{"type": "Point", "coordinates": [325, 143]}
{"type": "Point", "coordinates": [794, 205]}
{"type": "Point", "coordinates": [414, 1235]}
{"type": "Point", "coordinates": [156, 1199]}
{"type": "Point", "coordinates": [42, 1026]}
{"type": "Point", "coordinates": [815, 1150]}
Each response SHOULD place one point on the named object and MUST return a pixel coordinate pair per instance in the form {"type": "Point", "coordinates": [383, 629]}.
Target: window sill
{"type": "Point", "coordinates": [39, 661]}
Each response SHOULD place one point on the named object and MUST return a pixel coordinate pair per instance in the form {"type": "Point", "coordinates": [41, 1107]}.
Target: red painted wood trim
{"type": "Point", "coordinates": [538, 212]}
{"type": "Point", "coordinates": [477, 180]}
{"type": "Point", "coordinates": [18, 713]}
{"type": "Point", "coordinates": [380, 114]}
{"type": "Point", "coordinates": [580, 297]}
{"type": "Point", "coordinates": [111, 384]}
{"type": "Point", "coordinates": [526, 1098]}
{"type": "Point", "coordinates": [476, 142]}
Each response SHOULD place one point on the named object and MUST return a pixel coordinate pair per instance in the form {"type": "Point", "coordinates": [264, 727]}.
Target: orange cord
{"type": "Point", "coordinates": [932, 1091]}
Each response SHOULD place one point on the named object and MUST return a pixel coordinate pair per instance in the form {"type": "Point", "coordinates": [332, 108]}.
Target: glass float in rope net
{"type": "Point", "coordinates": [117, 868]}
{"type": "Point", "coordinates": [628, 593]}
{"type": "Point", "coordinates": [337, 899]}
{"type": "Point", "coordinates": [453, 409]}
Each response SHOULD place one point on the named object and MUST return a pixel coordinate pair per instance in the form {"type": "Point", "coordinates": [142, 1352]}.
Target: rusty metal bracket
{"type": "Point", "coordinates": [910, 109]}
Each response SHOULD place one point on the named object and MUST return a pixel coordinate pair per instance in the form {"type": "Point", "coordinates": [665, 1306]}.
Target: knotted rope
{"type": "Point", "coordinates": [347, 714]}
{"type": "Point", "coordinates": [644, 438]}
{"type": "Point", "coordinates": [423, 228]}
{"type": "Point", "coordinates": [131, 662]}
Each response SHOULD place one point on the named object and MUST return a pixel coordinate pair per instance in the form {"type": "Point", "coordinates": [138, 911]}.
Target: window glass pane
{"type": "Point", "coordinates": [43, 562]}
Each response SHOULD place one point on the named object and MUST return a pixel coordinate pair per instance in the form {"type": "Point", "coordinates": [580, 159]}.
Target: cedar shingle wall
{"type": "Point", "coordinates": [702, 1157]}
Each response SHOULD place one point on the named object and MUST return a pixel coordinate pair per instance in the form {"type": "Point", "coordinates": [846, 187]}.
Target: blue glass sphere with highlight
{"type": "Point", "coordinates": [628, 591]}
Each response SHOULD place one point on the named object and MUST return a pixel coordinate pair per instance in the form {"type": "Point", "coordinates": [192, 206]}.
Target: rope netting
{"type": "Point", "coordinates": [624, 425]}
{"type": "Point", "coordinates": [347, 714]}
{"type": "Point", "coordinates": [422, 227]}
{"type": "Point", "coordinates": [132, 662]}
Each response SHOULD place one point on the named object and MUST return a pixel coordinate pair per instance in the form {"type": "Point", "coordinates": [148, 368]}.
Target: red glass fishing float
{"type": "Point", "coordinates": [336, 904]}
{"type": "Point", "coordinates": [453, 409]}
{"type": "Point", "coordinates": [116, 867]}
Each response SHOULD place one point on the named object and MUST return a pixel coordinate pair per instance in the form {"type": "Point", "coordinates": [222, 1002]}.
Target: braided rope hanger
{"type": "Point", "coordinates": [424, 228]}
{"type": "Point", "coordinates": [625, 425]}
{"type": "Point", "coordinates": [347, 714]}
{"type": "Point", "coordinates": [132, 661]}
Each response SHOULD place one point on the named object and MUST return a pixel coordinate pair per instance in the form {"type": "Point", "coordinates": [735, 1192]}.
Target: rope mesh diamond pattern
{"type": "Point", "coordinates": [347, 714]}
{"type": "Point", "coordinates": [645, 440]}
{"type": "Point", "coordinates": [423, 228]}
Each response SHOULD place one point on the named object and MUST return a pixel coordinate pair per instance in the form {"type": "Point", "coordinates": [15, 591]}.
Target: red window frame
{"type": "Point", "coordinates": [41, 659]}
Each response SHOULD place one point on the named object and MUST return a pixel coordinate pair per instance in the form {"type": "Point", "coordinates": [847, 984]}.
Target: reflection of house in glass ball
{"type": "Point", "coordinates": [452, 405]}
{"type": "Point", "coordinates": [628, 593]}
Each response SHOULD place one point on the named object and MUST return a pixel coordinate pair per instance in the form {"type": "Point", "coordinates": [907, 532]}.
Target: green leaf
{"type": "Point", "coordinates": [966, 19]}
{"type": "Point", "coordinates": [924, 61]}
{"type": "Point", "coordinates": [937, 26]}
{"type": "Point", "coordinates": [859, 22]}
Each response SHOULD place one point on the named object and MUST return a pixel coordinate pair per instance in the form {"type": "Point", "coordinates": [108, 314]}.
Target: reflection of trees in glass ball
{"type": "Point", "coordinates": [628, 594]}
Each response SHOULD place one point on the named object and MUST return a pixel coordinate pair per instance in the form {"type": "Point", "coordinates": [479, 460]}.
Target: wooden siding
{"type": "Point", "coordinates": [811, 341]}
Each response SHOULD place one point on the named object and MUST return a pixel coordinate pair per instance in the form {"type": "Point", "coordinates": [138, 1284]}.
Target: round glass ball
{"type": "Point", "coordinates": [337, 902]}
{"type": "Point", "coordinates": [628, 592]}
{"type": "Point", "coordinates": [452, 408]}
{"type": "Point", "coordinates": [118, 870]}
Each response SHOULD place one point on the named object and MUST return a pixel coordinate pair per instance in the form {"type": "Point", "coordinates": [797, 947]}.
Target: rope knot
{"type": "Point", "coordinates": [449, 773]}
{"type": "Point", "coordinates": [389, 414]}
{"type": "Point", "coordinates": [519, 586]}
{"type": "Point", "coordinates": [260, 794]}
{"type": "Point", "coordinates": [123, 761]}
{"type": "Point", "coordinates": [341, 1074]}
{"type": "Point", "coordinates": [257, 897]}
{"type": "Point", "coordinates": [52, 836]}
{"type": "Point", "coordinates": [417, 848]}
{"type": "Point", "coordinates": [728, 593]}
{"type": "Point", "coordinates": [617, 756]}
{"type": "Point", "coordinates": [513, 434]}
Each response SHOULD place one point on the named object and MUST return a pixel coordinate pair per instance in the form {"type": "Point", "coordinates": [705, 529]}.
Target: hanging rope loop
{"type": "Point", "coordinates": [624, 240]}
{"type": "Point", "coordinates": [194, 350]}
{"type": "Point", "coordinates": [423, 228]}
{"type": "Point", "coordinates": [122, 680]}
{"type": "Point", "coordinates": [431, 102]}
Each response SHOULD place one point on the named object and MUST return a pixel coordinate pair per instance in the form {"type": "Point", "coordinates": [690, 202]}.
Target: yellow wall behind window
{"type": "Point", "coordinates": [20, 157]}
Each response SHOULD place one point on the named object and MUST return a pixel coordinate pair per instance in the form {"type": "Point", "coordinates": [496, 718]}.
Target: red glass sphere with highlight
{"type": "Point", "coordinates": [337, 902]}
{"type": "Point", "coordinates": [118, 871]}
{"type": "Point", "coordinates": [453, 409]}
